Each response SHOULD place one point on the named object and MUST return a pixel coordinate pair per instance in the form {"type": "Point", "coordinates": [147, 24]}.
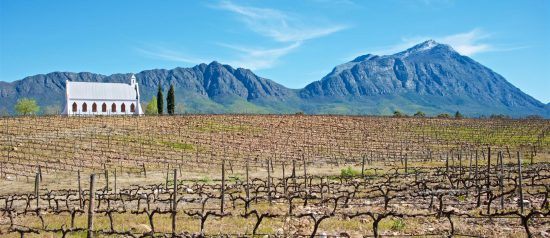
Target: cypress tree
{"type": "Point", "coordinates": [170, 101]}
{"type": "Point", "coordinates": [160, 102]}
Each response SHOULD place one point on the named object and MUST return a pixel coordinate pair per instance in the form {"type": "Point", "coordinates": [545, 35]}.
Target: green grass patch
{"type": "Point", "coordinates": [212, 126]}
{"type": "Point", "coordinates": [398, 224]}
{"type": "Point", "coordinates": [204, 179]}
{"type": "Point", "coordinates": [350, 172]}
{"type": "Point", "coordinates": [234, 178]}
{"type": "Point", "coordinates": [483, 134]}
{"type": "Point", "coordinates": [177, 145]}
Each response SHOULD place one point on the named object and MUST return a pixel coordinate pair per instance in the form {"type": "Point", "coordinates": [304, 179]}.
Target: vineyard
{"type": "Point", "coordinates": [273, 175]}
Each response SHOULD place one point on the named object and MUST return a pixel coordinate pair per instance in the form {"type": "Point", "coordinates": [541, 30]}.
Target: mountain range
{"type": "Point", "coordinates": [428, 77]}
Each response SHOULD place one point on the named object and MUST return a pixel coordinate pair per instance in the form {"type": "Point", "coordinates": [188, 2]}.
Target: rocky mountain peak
{"type": "Point", "coordinates": [426, 47]}
{"type": "Point", "coordinates": [363, 58]}
{"type": "Point", "coordinates": [427, 70]}
{"type": "Point", "coordinates": [215, 64]}
{"type": "Point", "coordinates": [429, 76]}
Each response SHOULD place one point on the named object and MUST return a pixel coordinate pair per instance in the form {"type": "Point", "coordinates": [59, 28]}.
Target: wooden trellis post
{"type": "Point", "coordinates": [79, 191]}
{"type": "Point", "coordinates": [284, 179]}
{"type": "Point", "coordinates": [115, 188]}
{"type": "Point", "coordinates": [406, 164]}
{"type": "Point", "coordinates": [144, 170]}
{"type": "Point", "coordinates": [37, 189]}
{"type": "Point", "coordinates": [174, 203]}
{"type": "Point", "coordinates": [363, 167]}
{"type": "Point", "coordinates": [447, 164]}
{"type": "Point", "coordinates": [91, 205]}
{"type": "Point", "coordinates": [106, 180]}
{"type": "Point", "coordinates": [305, 172]}
{"type": "Point", "coordinates": [501, 180]}
{"type": "Point", "coordinates": [476, 169]}
{"type": "Point", "coordinates": [519, 184]}
{"type": "Point", "coordinates": [167, 172]}
{"type": "Point", "coordinates": [488, 182]}
{"type": "Point", "coordinates": [268, 182]}
{"type": "Point", "coordinates": [247, 182]}
{"type": "Point", "coordinates": [40, 172]}
{"type": "Point", "coordinates": [222, 196]}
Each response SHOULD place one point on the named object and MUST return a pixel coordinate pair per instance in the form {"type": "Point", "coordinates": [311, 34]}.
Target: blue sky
{"type": "Point", "coordinates": [291, 42]}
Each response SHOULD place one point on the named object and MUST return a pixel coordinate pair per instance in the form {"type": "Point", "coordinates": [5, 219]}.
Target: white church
{"type": "Point", "coordinates": [90, 98]}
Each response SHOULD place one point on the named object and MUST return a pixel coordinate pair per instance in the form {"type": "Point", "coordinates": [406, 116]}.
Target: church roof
{"type": "Point", "coordinates": [101, 91]}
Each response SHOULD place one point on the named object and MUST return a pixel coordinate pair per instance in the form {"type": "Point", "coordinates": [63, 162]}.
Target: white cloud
{"type": "Point", "coordinates": [278, 25]}
{"type": "Point", "coordinates": [258, 58]}
{"type": "Point", "coordinates": [466, 43]}
{"type": "Point", "coordinates": [247, 57]}
{"type": "Point", "coordinates": [283, 28]}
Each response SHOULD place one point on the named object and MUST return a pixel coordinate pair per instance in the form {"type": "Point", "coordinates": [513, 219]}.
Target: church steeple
{"type": "Point", "coordinates": [133, 80]}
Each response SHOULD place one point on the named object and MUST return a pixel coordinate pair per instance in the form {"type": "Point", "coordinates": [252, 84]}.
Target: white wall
{"type": "Point", "coordinates": [89, 103]}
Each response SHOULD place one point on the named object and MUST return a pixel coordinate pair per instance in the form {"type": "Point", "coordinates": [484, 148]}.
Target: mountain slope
{"type": "Point", "coordinates": [430, 76]}
{"type": "Point", "coordinates": [212, 88]}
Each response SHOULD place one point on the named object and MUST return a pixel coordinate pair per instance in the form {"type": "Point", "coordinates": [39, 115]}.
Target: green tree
{"type": "Point", "coordinates": [443, 115]}
{"type": "Point", "coordinates": [499, 116]}
{"type": "Point", "coordinates": [170, 100]}
{"type": "Point", "coordinates": [160, 101]}
{"type": "Point", "coordinates": [398, 113]}
{"type": "Point", "coordinates": [420, 114]}
{"type": "Point", "coordinates": [26, 106]}
{"type": "Point", "coordinates": [151, 108]}
{"type": "Point", "coordinates": [534, 117]}
{"type": "Point", "coordinates": [458, 115]}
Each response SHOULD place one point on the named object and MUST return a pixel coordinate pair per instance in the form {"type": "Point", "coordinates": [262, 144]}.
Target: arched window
{"type": "Point", "coordinates": [84, 107]}
{"type": "Point", "coordinates": [122, 108]}
{"type": "Point", "coordinates": [94, 107]}
{"type": "Point", "coordinates": [113, 107]}
{"type": "Point", "coordinates": [132, 108]}
{"type": "Point", "coordinates": [104, 107]}
{"type": "Point", "coordinates": [75, 107]}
